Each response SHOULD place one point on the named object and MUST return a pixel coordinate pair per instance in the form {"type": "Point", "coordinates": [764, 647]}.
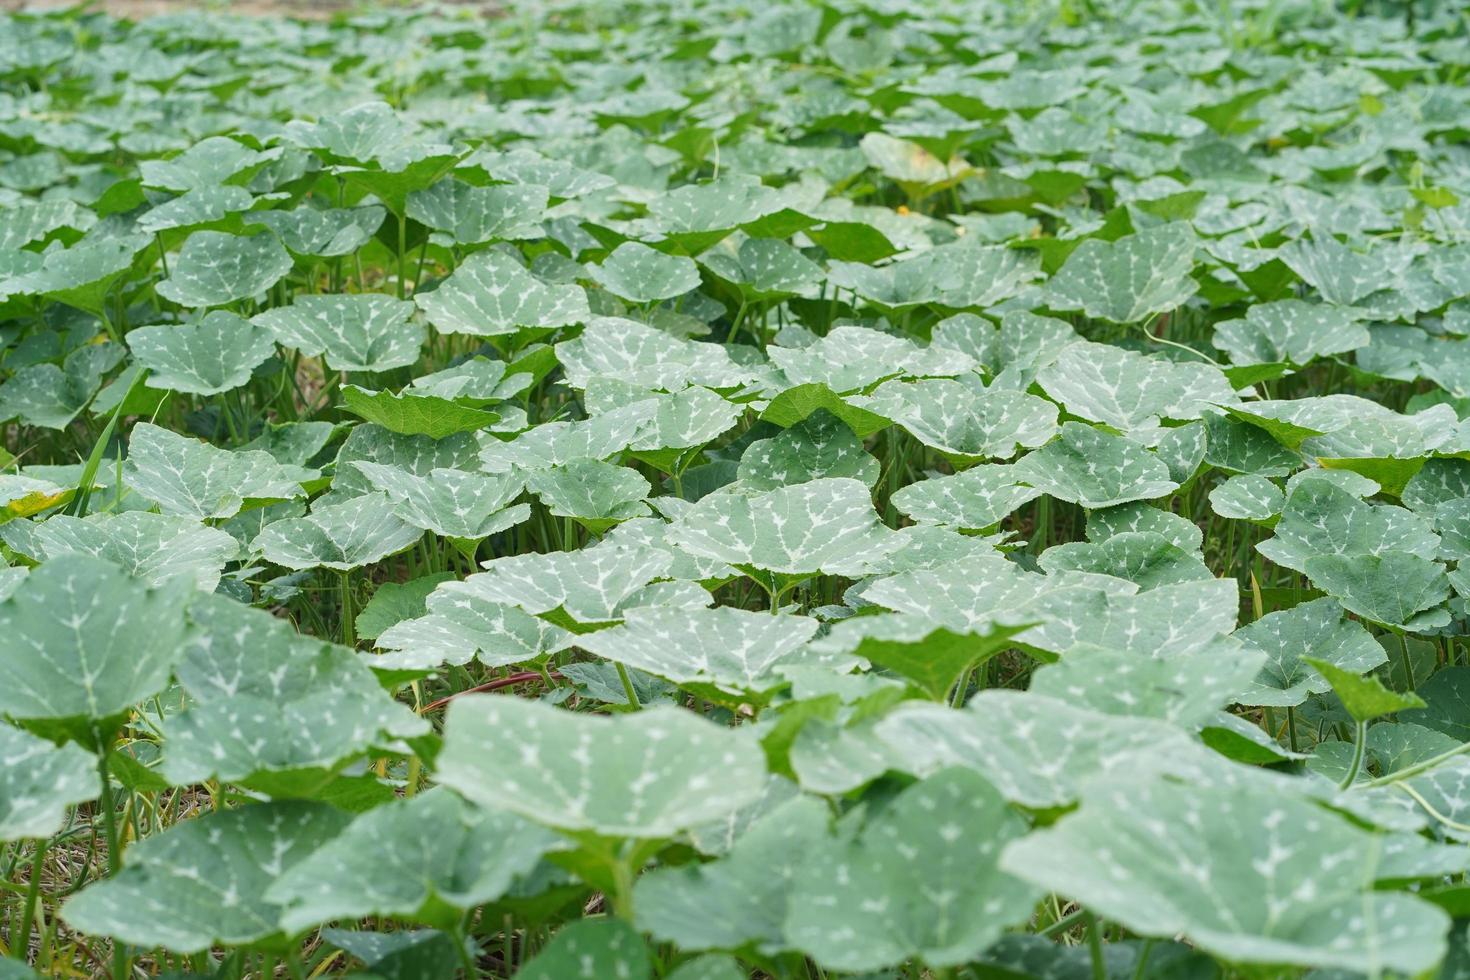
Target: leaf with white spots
{"type": "Point", "coordinates": [1185, 688]}
{"type": "Point", "coordinates": [964, 420]}
{"type": "Point", "coordinates": [342, 536]}
{"type": "Point", "coordinates": [205, 357]}
{"type": "Point", "coordinates": [194, 479]}
{"type": "Point", "coordinates": [625, 350]}
{"type": "Point", "coordinates": [1272, 880]}
{"type": "Point", "coordinates": [1130, 279]}
{"type": "Point", "coordinates": [1321, 519]}
{"type": "Point", "coordinates": [84, 640]}
{"type": "Point", "coordinates": [215, 268]}
{"type": "Point", "coordinates": [817, 447]}
{"type": "Point", "coordinates": [271, 708]}
{"type": "Point", "coordinates": [974, 499]}
{"type": "Point", "coordinates": [38, 782]}
{"type": "Point", "coordinates": [591, 949]}
{"type": "Point", "coordinates": [826, 525]}
{"type": "Point", "coordinates": [1341, 275]}
{"type": "Point", "coordinates": [920, 881]}
{"type": "Point", "coordinates": [491, 294]}
{"type": "Point", "coordinates": [741, 898]}
{"type": "Point", "coordinates": [595, 493]}
{"type": "Point", "coordinates": [415, 858]}
{"type": "Point", "coordinates": [324, 233]}
{"type": "Point", "coordinates": [204, 881]}
{"type": "Point", "coordinates": [365, 332]}
{"type": "Point", "coordinates": [460, 624]}
{"type": "Point", "coordinates": [637, 273]}
{"type": "Point", "coordinates": [155, 548]}
{"type": "Point", "coordinates": [471, 215]}
{"type": "Point", "coordinates": [1037, 750]}
{"type": "Point", "coordinates": [1316, 629]}
{"type": "Point", "coordinates": [451, 503]}
{"type": "Point", "coordinates": [731, 649]}
{"type": "Point", "coordinates": [1093, 468]}
{"type": "Point", "coordinates": [651, 773]}
{"type": "Point", "coordinates": [1290, 331]}
{"type": "Point", "coordinates": [1247, 497]}
{"type": "Point", "coordinates": [1128, 391]}
{"type": "Point", "coordinates": [852, 358]}
{"type": "Point", "coordinates": [1145, 558]}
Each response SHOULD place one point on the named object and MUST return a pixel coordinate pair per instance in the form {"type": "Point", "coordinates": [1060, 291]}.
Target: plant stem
{"type": "Point", "coordinates": [1359, 737]}
{"type": "Point", "coordinates": [114, 848]}
{"type": "Point", "coordinates": [628, 690]}
{"type": "Point", "coordinates": [1094, 947]}
{"type": "Point", "coordinates": [20, 942]}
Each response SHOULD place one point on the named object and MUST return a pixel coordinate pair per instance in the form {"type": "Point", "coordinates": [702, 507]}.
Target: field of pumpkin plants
{"type": "Point", "coordinates": [769, 489]}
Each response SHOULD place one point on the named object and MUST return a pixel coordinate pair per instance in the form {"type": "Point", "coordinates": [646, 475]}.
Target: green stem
{"type": "Point", "coordinates": [628, 690]}
{"type": "Point", "coordinates": [1094, 947]}
{"type": "Point", "coordinates": [1138, 971]}
{"type": "Point", "coordinates": [21, 941]}
{"type": "Point", "coordinates": [1418, 767]}
{"type": "Point", "coordinates": [1407, 664]}
{"type": "Point", "coordinates": [114, 848]}
{"type": "Point", "coordinates": [1359, 738]}
{"type": "Point", "coordinates": [1062, 924]}
{"type": "Point", "coordinates": [349, 637]}
{"type": "Point", "coordinates": [462, 945]}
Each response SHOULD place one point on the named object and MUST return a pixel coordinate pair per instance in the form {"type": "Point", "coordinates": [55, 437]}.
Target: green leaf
{"type": "Point", "coordinates": [215, 268]}
{"type": "Point", "coordinates": [1129, 280]}
{"type": "Point", "coordinates": [1312, 630]}
{"type": "Point", "coordinates": [86, 641]}
{"type": "Point", "coordinates": [155, 548]}
{"type": "Point", "coordinates": [204, 881]}
{"type": "Point", "coordinates": [271, 708]}
{"type": "Point", "coordinates": [740, 899]}
{"type": "Point", "coordinates": [471, 215]}
{"type": "Point", "coordinates": [1364, 697]}
{"type": "Point", "coordinates": [596, 493]}
{"type": "Point", "coordinates": [416, 858]}
{"type": "Point", "coordinates": [639, 274]}
{"type": "Point", "coordinates": [324, 233]}
{"type": "Point", "coordinates": [38, 782]}
{"type": "Point", "coordinates": [817, 447]}
{"type": "Point", "coordinates": [1392, 588]}
{"type": "Point", "coordinates": [491, 294]}
{"type": "Point", "coordinates": [920, 881]}
{"type": "Point", "coordinates": [964, 421]}
{"type": "Point", "coordinates": [1130, 391]}
{"type": "Point", "coordinates": [934, 658]}
{"type": "Point", "coordinates": [732, 649]}
{"type": "Point", "coordinates": [394, 602]}
{"type": "Point", "coordinates": [1164, 859]}
{"type": "Point", "coordinates": [343, 536]}
{"type": "Point", "coordinates": [451, 503]}
{"type": "Point", "coordinates": [1038, 751]}
{"type": "Point", "coordinates": [647, 774]}
{"type": "Point", "coordinates": [1290, 331]}
{"type": "Point", "coordinates": [194, 479]}
{"type": "Point", "coordinates": [975, 499]}
{"type": "Point", "coordinates": [1093, 468]}
{"type": "Point", "coordinates": [368, 332]}
{"type": "Point", "coordinates": [208, 356]}
{"type": "Point", "coordinates": [591, 949]}
{"type": "Point", "coordinates": [415, 415]}
{"type": "Point", "coordinates": [826, 525]}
